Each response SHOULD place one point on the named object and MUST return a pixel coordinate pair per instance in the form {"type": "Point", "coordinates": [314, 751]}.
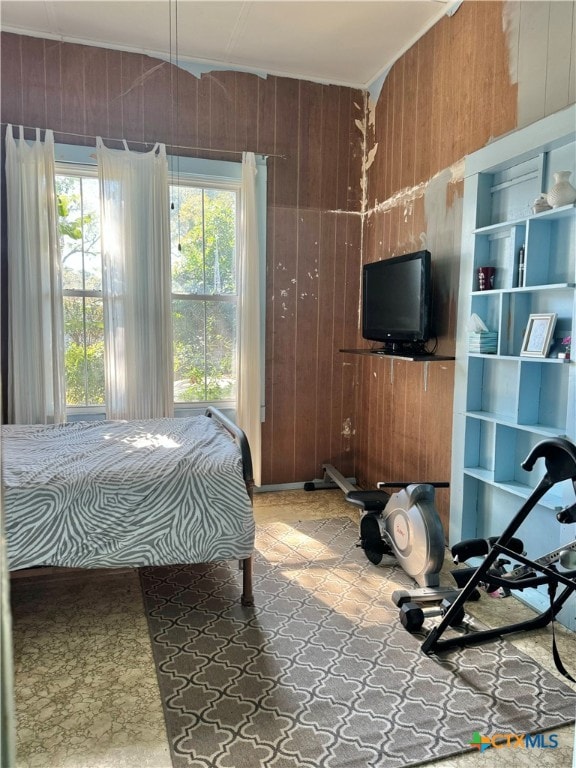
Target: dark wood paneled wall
{"type": "Point", "coordinates": [446, 97]}
{"type": "Point", "coordinates": [314, 199]}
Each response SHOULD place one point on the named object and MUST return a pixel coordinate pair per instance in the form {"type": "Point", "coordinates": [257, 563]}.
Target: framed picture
{"type": "Point", "coordinates": [538, 335]}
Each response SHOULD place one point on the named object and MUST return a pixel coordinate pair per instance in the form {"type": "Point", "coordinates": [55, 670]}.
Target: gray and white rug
{"type": "Point", "coordinates": [320, 673]}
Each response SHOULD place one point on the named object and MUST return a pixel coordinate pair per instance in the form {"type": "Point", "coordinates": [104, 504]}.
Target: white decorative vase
{"type": "Point", "coordinates": [562, 193]}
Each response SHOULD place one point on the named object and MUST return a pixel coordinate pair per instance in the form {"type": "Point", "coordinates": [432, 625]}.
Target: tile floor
{"type": "Point", "coordinates": [86, 690]}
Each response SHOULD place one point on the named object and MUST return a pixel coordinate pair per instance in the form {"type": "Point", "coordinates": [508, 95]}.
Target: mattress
{"type": "Point", "coordinates": [117, 493]}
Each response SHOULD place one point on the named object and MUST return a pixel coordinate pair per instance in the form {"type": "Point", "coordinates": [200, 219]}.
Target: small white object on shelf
{"type": "Point", "coordinates": [562, 193]}
{"type": "Point", "coordinates": [541, 204]}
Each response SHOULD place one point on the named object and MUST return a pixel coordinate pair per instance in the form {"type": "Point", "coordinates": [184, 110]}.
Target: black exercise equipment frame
{"type": "Point", "coordinates": [560, 458]}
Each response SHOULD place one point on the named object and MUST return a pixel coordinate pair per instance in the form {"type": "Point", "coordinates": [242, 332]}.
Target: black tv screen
{"type": "Point", "coordinates": [396, 300]}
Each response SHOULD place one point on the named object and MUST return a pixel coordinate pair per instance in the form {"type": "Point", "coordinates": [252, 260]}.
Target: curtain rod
{"type": "Point", "coordinates": [144, 143]}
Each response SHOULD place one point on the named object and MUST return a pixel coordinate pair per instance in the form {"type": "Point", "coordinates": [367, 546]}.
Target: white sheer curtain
{"type": "Point", "coordinates": [36, 388]}
{"type": "Point", "coordinates": [136, 282]}
{"type": "Point", "coordinates": [249, 365]}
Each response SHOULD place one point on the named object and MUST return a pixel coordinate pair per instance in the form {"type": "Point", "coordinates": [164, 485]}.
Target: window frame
{"type": "Point", "coordinates": [213, 173]}
{"type": "Point", "coordinates": [203, 182]}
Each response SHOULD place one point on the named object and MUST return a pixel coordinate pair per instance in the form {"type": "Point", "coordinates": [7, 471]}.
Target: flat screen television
{"type": "Point", "coordinates": [396, 302]}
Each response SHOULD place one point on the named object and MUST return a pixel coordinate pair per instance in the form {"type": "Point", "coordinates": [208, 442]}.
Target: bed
{"type": "Point", "coordinates": [105, 494]}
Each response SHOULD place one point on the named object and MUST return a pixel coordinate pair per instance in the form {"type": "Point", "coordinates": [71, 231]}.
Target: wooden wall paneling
{"type": "Point", "coordinates": [114, 90]}
{"type": "Point", "coordinates": [385, 247]}
{"type": "Point", "coordinates": [437, 126]}
{"type": "Point", "coordinates": [53, 58]}
{"type": "Point", "coordinates": [355, 152]}
{"type": "Point", "coordinates": [310, 155]}
{"type": "Point", "coordinates": [395, 447]}
{"type": "Point", "coordinates": [377, 172]}
{"type": "Point", "coordinates": [370, 232]}
{"type": "Point", "coordinates": [283, 311]}
{"type": "Point", "coordinates": [338, 322]}
{"type": "Point", "coordinates": [359, 429]}
{"type": "Point", "coordinates": [343, 151]}
{"type": "Point", "coordinates": [374, 107]}
{"type": "Point", "coordinates": [34, 95]}
{"type": "Point", "coordinates": [393, 434]}
{"type": "Point", "coordinates": [449, 123]}
{"type": "Point", "coordinates": [377, 396]}
{"type": "Point", "coordinates": [11, 62]}
{"type": "Point", "coordinates": [222, 115]}
{"type": "Point", "coordinates": [385, 146]}
{"type": "Point", "coordinates": [95, 92]}
{"type": "Point", "coordinates": [504, 92]}
{"type": "Point", "coordinates": [329, 141]}
{"type": "Point", "coordinates": [365, 438]}
{"type": "Point", "coordinates": [266, 138]}
{"type": "Point", "coordinates": [266, 119]}
{"type": "Point", "coordinates": [413, 469]}
{"type": "Point", "coordinates": [246, 112]}
{"type": "Point", "coordinates": [395, 238]}
{"type": "Point", "coordinates": [286, 121]}
{"type": "Point", "coordinates": [385, 236]}
{"type": "Point", "coordinates": [409, 118]}
{"type": "Point", "coordinates": [205, 112]}
{"type": "Point", "coordinates": [369, 237]}
{"type": "Point", "coordinates": [385, 185]}
{"type": "Point", "coordinates": [379, 439]}
{"type": "Point", "coordinates": [352, 338]}
{"type": "Point", "coordinates": [455, 84]}
{"type": "Point", "coordinates": [185, 85]}
{"type": "Point", "coordinates": [351, 304]}
{"type": "Point", "coordinates": [345, 312]}
{"type": "Point", "coordinates": [464, 80]}
{"type": "Point", "coordinates": [480, 105]}
{"type": "Point", "coordinates": [423, 150]}
{"type": "Point", "coordinates": [132, 97]}
{"type": "Point", "coordinates": [327, 354]}
{"type": "Point", "coordinates": [309, 346]}
{"type": "Point", "coordinates": [159, 109]}
{"type": "Point", "coordinates": [269, 349]}
{"type": "Point", "coordinates": [72, 83]}
{"type": "Point", "coordinates": [397, 122]}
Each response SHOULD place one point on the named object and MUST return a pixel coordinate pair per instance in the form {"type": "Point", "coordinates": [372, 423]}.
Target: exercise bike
{"type": "Point", "coordinates": [406, 525]}
{"type": "Point", "coordinates": [554, 570]}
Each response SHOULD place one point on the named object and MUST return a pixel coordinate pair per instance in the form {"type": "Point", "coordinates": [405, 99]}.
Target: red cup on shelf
{"type": "Point", "coordinates": [486, 277]}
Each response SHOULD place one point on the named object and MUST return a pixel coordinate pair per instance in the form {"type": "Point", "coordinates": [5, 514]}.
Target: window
{"type": "Point", "coordinates": [204, 236]}
{"type": "Point", "coordinates": [79, 212]}
{"type": "Point", "coordinates": [204, 292]}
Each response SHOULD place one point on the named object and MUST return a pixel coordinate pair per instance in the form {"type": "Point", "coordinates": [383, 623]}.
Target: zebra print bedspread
{"type": "Point", "coordinates": [114, 493]}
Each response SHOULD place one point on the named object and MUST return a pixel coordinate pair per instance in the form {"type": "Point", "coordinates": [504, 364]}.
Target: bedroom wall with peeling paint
{"type": "Point", "coordinates": [474, 76]}
{"type": "Point", "coordinates": [314, 199]}
{"type": "Point", "coordinates": [488, 69]}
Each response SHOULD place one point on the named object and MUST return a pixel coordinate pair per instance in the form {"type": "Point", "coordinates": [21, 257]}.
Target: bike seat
{"type": "Point", "coordinates": [370, 501]}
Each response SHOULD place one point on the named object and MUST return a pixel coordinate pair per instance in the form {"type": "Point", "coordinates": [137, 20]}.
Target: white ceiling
{"type": "Point", "coordinates": [347, 42]}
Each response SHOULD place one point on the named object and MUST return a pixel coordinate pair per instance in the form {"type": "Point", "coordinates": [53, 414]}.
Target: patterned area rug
{"type": "Point", "coordinates": [320, 673]}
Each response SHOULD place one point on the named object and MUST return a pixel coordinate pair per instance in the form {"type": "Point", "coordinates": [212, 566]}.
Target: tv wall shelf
{"type": "Point", "coordinates": [505, 403]}
{"type": "Point", "coordinates": [391, 356]}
